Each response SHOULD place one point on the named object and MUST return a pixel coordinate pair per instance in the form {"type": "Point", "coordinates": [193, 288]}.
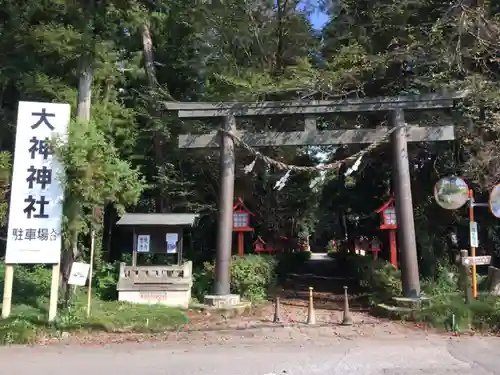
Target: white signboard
{"type": "Point", "coordinates": [474, 240]}
{"type": "Point", "coordinates": [35, 212]}
{"type": "Point", "coordinates": [172, 239]}
{"type": "Point", "coordinates": [143, 243]}
{"type": "Point", "coordinates": [79, 273]}
{"type": "Point", "coordinates": [478, 261]}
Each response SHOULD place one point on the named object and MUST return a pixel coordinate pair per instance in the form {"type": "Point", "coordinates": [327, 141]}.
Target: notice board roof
{"type": "Point", "coordinates": [172, 220]}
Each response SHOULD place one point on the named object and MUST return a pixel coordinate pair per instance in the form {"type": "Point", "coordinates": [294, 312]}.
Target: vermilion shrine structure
{"type": "Point", "coordinates": [389, 222]}
{"type": "Point", "coordinates": [222, 138]}
{"type": "Point", "coordinates": [241, 224]}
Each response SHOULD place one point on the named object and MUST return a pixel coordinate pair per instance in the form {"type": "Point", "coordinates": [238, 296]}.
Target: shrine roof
{"type": "Point", "coordinates": [170, 219]}
{"type": "Point", "coordinates": [387, 204]}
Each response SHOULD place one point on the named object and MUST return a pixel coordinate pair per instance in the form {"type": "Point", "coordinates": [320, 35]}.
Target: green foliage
{"type": "Point", "coordinates": [382, 282]}
{"type": "Point", "coordinates": [378, 278]}
{"type": "Point", "coordinates": [445, 280]}
{"type": "Point", "coordinates": [127, 156]}
{"type": "Point", "coordinates": [18, 330]}
{"type": "Point", "coordinates": [106, 278]}
{"type": "Point", "coordinates": [94, 173]}
{"type": "Point", "coordinates": [31, 284]}
{"type": "Point", "coordinates": [291, 261]}
{"type": "Point", "coordinates": [28, 322]}
{"type": "Point", "coordinates": [251, 277]}
{"type": "Point", "coordinates": [5, 172]}
{"type": "Point", "coordinates": [448, 304]}
{"type": "Point", "coordinates": [481, 314]}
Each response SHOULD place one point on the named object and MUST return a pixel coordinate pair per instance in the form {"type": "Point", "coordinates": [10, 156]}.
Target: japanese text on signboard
{"type": "Point", "coordinates": [36, 200]}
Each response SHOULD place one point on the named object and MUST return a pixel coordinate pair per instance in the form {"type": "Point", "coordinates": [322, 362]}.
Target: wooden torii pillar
{"type": "Point", "coordinates": [228, 111]}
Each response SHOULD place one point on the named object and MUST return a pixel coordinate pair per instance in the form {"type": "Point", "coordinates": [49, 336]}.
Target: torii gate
{"type": "Point", "coordinates": [310, 136]}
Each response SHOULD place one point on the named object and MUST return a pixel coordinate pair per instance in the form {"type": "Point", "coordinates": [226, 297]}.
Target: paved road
{"type": "Point", "coordinates": [424, 354]}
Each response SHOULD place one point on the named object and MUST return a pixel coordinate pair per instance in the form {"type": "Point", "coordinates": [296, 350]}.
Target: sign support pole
{"type": "Point", "coordinates": [7, 290]}
{"type": "Point", "coordinates": [54, 291]}
{"type": "Point", "coordinates": [466, 278]}
{"type": "Point", "coordinates": [472, 247]}
{"type": "Point", "coordinates": [91, 269]}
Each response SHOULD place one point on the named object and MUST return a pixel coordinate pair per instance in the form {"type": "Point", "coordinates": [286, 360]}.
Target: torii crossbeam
{"type": "Point", "coordinates": [311, 136]}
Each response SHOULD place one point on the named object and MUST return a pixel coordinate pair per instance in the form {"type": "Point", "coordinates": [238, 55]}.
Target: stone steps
{"type": "Point", "coordinates": [404, 306]}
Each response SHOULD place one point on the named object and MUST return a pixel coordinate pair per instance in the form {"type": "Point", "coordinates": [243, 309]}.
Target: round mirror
{"type": "Point", "coordinates": [495, 201]}
{"type": "Point", "coordinates": [451, 193]}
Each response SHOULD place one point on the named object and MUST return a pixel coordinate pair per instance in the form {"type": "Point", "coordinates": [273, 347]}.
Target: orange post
{"type": "Point", "coordinates": [394, 248]}
{"type": "Point", "coordinates": [472, 248]}
{"type": "Point", "coordinates": [241, 244]}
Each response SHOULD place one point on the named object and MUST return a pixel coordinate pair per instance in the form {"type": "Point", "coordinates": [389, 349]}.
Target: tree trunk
{"type": "Point", "coordinates": [149, 67]}
{"type": "Point", "coordinates": [83, 115]}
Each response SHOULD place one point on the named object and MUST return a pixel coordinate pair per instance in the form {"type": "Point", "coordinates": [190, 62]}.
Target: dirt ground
{"type": "Point", "coordinates": [257, 325]}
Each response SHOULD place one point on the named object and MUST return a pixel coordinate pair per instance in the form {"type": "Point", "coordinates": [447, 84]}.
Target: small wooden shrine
{"type": "Point", "coordinates": [161, 236]}
{"type": "Point", "coordinates": [260, 246]}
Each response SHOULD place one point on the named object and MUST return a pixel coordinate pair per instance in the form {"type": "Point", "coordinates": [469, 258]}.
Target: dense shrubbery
{"type": "Point", "coordinates": [251, 277]}
{"type": "Point", "coordinates": [378, 278]}
{"type": "Point", "coordinates": [106, 279]}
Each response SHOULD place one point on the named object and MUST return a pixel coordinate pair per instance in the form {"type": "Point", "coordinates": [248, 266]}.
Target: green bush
{"type": "Point", "coordinates": [31, 284]}
{"type": "Point", "coordinates": [444, 282]}
{"type": "Point", "coordinates": [251, 277]}
{"type": "Point", "coordinates": [379, 279]}
{"type": "Point", "coordinates": [203, 281]}
{"type": "Point", "coordinates": [106, 278]}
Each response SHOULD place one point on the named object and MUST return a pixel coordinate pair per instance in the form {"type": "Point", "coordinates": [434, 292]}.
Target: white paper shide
{"type": "Point", "coordinates": [35, 212]}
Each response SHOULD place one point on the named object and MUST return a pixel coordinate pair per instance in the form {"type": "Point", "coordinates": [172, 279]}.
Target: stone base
{"type": "Point", "coordinates": [229, 305]}
{"type": "Point", "coordinates": [222, 302]}
{"type": "Point", "coordinates": [171, 298]}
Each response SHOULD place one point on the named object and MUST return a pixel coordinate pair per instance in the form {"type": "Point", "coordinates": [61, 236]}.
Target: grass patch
{"type": "Point", "coordinates": [453, 314]}
{"type": "Point", "coordinates": [28, 320]}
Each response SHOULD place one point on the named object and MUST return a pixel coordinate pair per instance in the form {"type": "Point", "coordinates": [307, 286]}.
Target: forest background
{"type": "Point", "coordinates": [133, 54]}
